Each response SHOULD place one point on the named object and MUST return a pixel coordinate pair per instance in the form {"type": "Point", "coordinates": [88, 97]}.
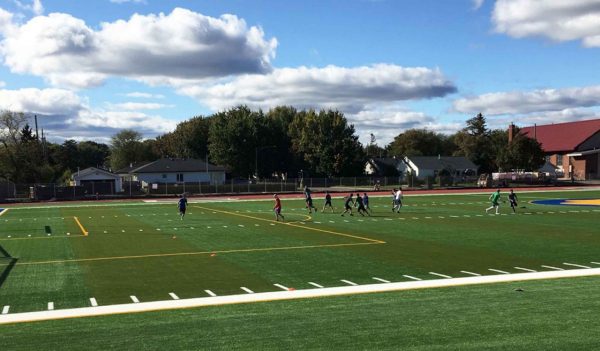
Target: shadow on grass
{"type": "Point", "coordinates": [12, 261]}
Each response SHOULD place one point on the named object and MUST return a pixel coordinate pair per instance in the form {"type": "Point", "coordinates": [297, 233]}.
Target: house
{"type": "Point", "coordinates": [170, 171]}
{"type": "Point", "coordinates": [96, 180]}
{"type": "Point", "coordinates": [385, 166]}
{"type": "Point", "coordinates": [432, 166]}
{"type": "Point", "coordinates": [572, 147]}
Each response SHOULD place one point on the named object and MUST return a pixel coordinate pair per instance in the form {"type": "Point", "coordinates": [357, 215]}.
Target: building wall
{"type": "Point", "coordinates": [99, 177]}
{"type": "Point", "coordinates": [591, 143]}
{"type": "Point", "coordinates": [188, 177]}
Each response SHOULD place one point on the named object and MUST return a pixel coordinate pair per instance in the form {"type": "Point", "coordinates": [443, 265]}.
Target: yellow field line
{"type": "Point", "coordinates": [3, 211]}
{"type": "Point", "coordinates": [294, 225]}
{"type": "Point", "coordinates": [44, 237]}
{"type": "Point", "coordinates": [85, 232]}
{"type": "Point", "coordinates": [193, 253]}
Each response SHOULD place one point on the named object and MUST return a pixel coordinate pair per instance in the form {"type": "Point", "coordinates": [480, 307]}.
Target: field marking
{"type": "Point", "coordinates": [193, 253]}
{"type": "Point", "coordinates": [93, 302]}
{"type": "Point", "coordinates": [316, 285]}
{"type": "Point", "coordinates": [43, 237]}
{"type": "Point", "coordinates": [441, 275]}
{"type": "Point", "coordinates": [525, 269]}
{"type": "Point", "coordinates": [575, 265]}
{"type": "Point", "coordinates": [83, 231]}
{"type": "Point", "coordinates": [552, 267]}
{"type": "Point", "coordinates": [381, 280]}
{"type": "Point", "coordinates": [471, 273]}
{"type": "Point", "coordinates": [288, 295]}
{"type": "Point", "coordinates": [498, 271]}
{"type": "Point", "coordinates": [411, 277]}
{"type": "Point", "coordinates": [247, 290]}
{"type": "Point", "coordinates": [134, 299]}
{"type": "Point", "coordinates": [349, 282]}
{"type": "Point", "coordinates": [595, 262]}
{"type": "Point", "coordinates": [50, 306]}
{"type": "Point", "coordinates": [5, 309]}
{"type": "Point", "coordinates": [281, 287]}
{"type": "Point", "coordinates": [3, 211]}
{"type": "Point", "coordinates": [173, 296]}
{"type": "Point", "coordinates": [210, 293]}
{"type": "Point", "coordinates": [294, 225]}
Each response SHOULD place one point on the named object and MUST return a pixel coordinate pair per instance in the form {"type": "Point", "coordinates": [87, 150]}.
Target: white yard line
{"type": "Point", "coordinates": [471, 273]}
{"type": "Point", "coordinates": [381, 280]}
{"type": "Point", "coordinates": [575, 265]}
{"type": "Point", "coordinates": [411, 277]}
{"type": "Point", "coordinates": [93, 302]}
{"type": "Point", "coordinates": [552, 267]}
{"type": "Point", "coordinates": [281, 287]}
{"type": "Point", "coordinates": [289, 295]}
{"type": "Point", "coordinates": [595, 263]}
{"type": "Point", "coordinates": [247, 290]}
{"type": "Point", "coordinates": [525, 269]}
{"type": "Point", "coordinates": [173, 296]}
{"type": "Point", "coordinates": [210, 293]}
{"type": "Point", "coordinates": [498, 271]}
{"type": "Point", "coordinates": [5, 309]}
{"type": "Point", "coordinates": [348, 282]}
{"type": "Point", "coordinates": [134, 299]}
{"type": "Point", "coordinates": [315, 285]}
{"type": "Point", "coordinates": [441, 275]}
{"type": "Point", "coordinates": [50, 306]}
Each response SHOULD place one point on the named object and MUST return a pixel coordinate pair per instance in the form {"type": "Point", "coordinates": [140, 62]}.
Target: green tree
{"type": "Point", "coordinates": [474, 142]}
{"type": "Point", "coordinates": [522, 153]}
{"type": "Point", "coordinates": [188, 140]}
{"type": "Point", "coordinates": [126, 147]}
{"type": "Point", "coordinates": [420, 142]}
{"type": "Point", "coordinates": [92, 154]}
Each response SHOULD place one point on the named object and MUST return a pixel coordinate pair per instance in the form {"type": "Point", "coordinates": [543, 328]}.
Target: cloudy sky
{"type": "Point", "coordinates": [90, 68]}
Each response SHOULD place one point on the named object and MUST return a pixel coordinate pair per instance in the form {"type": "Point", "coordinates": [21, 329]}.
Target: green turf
{"type": "Point", "coordinates": [145, 250]}
{"type": "Point", "coordinates": [547, 315]}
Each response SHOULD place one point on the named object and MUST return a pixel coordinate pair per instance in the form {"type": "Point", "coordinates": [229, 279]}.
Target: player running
{"type": "Point", "coordinates": [277, 208]}
{"type": "Point", "coordinates": [348, 205]}
{"type": "Point", "coordinates": [495, 198]}
{"type": "Point", "coordinates": [366, 202]}
{"type": "Point", "coordinates": [182, 205]}
{"type": "Point", "coordinates": [327, 202]}
{"type": "Point", "coordinates": [361, 206]}
{"type": "Point", "coordinates": [309, 200]}
{"type": "Point", "coordinates": [397, 201]}
{"type": "Point", "coordinates": [512, 197]}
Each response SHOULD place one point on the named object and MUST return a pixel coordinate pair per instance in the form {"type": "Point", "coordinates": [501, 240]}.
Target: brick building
{"type": "Point", "coordinates": [573, 147]}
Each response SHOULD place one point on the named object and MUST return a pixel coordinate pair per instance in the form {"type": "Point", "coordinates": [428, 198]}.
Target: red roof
{"type": "Point", "coordinates": [563, 136]}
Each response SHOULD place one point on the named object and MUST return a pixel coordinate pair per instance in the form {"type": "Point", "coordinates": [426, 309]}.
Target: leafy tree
{"type": "Point", "coordinates": [126, 147]}
{"type": "Point", "coordinates": [522, 153]}
{"type": "Point", "coordinates": [92, 154]}
{"type": "Point", "coordinates": [420, 142]}
{"type": "Point", "coordinates": [188, 140]}
{"type": "Point", "coordinates": [474, 142]}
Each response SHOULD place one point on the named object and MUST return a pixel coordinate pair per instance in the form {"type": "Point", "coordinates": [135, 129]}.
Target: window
{"type": "Point", "coordinates": [180, 177]}
{"type": "Point", "coordinates": [559, 160]}
{"type": "Point", "coordinates": [164, 176]}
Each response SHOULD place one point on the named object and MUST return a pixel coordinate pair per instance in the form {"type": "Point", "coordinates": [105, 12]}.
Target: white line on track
{"type": "Point", "coordinates": [497, 271]}
{"type": "Point", "coordinates": [93, 302]}
{"type": "Point", "coordinates": [525, 269]}
{"type": "Point", "coordinates": [5, 309]}
{"type": "Point", "coordinates": [595, 262]}
{"type": "Point", "coordinates": [411, 277]}
{"type": "Point", "coordinates": [134, 299]}
{"type": "Point", "coordinates": [552, 267]}
{"type": "Point", "coordinates": [441, 275]}
{"type": "Point", "coordinates": [247, 290]}
{"type": "Point", "coordinates": [281, 287]}
{"type": "Point", "coordinates": [471, 273]}
{"type": "Point", "coordinates": [288, 295]}
{"type": "Point", "coordinates": [381, 280]}
{"type": "Point", "coordinates": [348, 282]}
{"type": "Point", "coordinates": [210, 293]}
{"type": "Point", "coordinates": [316, 285]}
{"type": "Point", "coordinates": [173, 296]}
{"type": "Point", "coordinates": [575, 265]}
{"type": "Point", "coordinates": [50, 306]}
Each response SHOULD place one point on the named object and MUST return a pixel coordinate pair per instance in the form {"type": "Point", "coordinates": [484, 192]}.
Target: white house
{"type": "Point", "coordinates": [169, 170]}
{"type": "Point", "coordinates": [98, 179]}
{"type": "Point", "coordinates": [431, 166]}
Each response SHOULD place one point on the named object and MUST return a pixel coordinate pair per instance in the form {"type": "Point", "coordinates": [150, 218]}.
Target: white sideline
{"type": "Point", "coordinates": [288, 295]}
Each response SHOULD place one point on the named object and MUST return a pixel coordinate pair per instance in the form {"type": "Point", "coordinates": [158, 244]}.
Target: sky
{"type": "Point", "coordinates": [89, 69]}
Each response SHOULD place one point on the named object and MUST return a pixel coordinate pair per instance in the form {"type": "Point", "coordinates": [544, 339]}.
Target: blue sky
{"type": "Point", "coordinates": [89, 68]}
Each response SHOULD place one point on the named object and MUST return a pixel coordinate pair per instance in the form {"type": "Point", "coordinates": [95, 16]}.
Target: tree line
{"type": "Point", "coordinates": [281, 142]}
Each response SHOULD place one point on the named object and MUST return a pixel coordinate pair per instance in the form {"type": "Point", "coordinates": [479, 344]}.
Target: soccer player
{"type": "Point", "coordinates": [512, 197]}
{"type": "Point", "coordinates": [327, 202]}
{"type": "Point", "coordinates": [361, 206]}
{"type": "Point", "coordinates": [397, 201]}
{"type": "Point", "coordinates": [309, 200]}
{"type": "Point", "coordinates": [277, 208]}
{"type": "Point", "coordinates": [394, 198]}
{"type": "Point", "coordinates": [366, 202]}
{"type": "Point", "coordinates": [348, 203]}
{"type": "Point", "coordinates": [495, 198]}
{"type": "Point", "coordinates": [182, 205]}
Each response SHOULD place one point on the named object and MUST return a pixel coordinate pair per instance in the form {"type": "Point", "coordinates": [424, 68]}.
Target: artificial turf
{"type": "Point", "coordinates": [546, 315]}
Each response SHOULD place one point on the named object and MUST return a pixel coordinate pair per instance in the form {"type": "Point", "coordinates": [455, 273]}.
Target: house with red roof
{"type": "Point", "coordinates": [572, 147]}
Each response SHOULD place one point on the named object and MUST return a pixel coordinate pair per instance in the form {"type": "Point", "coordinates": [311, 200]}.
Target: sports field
{"type": "Point", "coordinates": [81, 255]}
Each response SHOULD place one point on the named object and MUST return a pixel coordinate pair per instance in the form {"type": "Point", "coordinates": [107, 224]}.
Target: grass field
{"type": "Point", "coordinates": [144, 250]}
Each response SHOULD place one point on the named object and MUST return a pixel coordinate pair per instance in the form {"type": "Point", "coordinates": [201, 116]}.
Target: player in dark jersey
{"type": "Point", "coordinates": [361, 206]}
{"type": "Point", "coordinates": [327, 202]}
{"type": "Point", "coordinates": [348, 203]}
{"type": "Point", "coordinates": [277, 208]}
{"type": "Point", "coordinates": [309, 200]}
{"type": "Point", "coordinates": [512, 197]}
{"type": "Point", "coordinates": [182, 205]}
{"type": "Point", "coordinates": [366, 202]}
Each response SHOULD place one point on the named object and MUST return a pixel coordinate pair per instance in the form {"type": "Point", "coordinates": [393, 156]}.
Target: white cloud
{"type": "Point", "coordinates": [559, 20]}
{"type": "Point", "coordinates": [182, 45]}
{"type": "Point", "coordinates": [41, 101]}
{"type": "Point", "coordinates": [2, 84]}
{"type": "Point", "coordinates": [34, 7]}
{"type": "Point", "coordinates": [527, 102]}
{"type": "Point", "coordinates": [137, 94]}
{"type": "Point", "coordinates": [346, 89]}
{"type": "Point", "coordinates": [6, 21]}
{"type": "Point", "coordinates": [133, 106]}
{"type": "Point", "coordinates": [477, 4]}
{"type": "Point", "coordinates": [125, 1]}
